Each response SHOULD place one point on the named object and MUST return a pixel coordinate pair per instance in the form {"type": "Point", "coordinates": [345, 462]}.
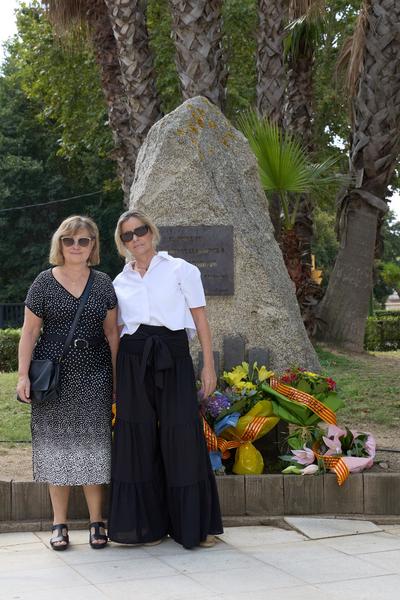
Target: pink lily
{"type": "Point", "coordinates": [334, 446]}
{"type": "Point", "coordinates": [305, 456]}
{"type": "Point", "coordinates": [357, 464]}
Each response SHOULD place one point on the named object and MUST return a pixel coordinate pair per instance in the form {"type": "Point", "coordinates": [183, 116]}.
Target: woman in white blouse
{"type": "Point", "coordinates": [162, 481]}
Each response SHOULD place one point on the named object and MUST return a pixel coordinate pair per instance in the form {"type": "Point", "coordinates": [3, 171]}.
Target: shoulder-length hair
{"type": "Point", "coordinates": [146, 220]}
{"type": "Point", "coordinates": [69, 227]}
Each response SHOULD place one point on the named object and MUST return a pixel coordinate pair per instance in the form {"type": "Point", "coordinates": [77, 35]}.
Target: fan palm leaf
{"type": "Point", "coordinates": [284, 165]}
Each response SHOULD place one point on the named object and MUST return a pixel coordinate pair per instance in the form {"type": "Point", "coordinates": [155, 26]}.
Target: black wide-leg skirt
{"type": "Point", "coordinates": [162, 482]}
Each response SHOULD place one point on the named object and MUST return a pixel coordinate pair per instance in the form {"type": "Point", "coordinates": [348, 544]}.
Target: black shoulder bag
{"type": "Point", "coordinates": [44, 374]}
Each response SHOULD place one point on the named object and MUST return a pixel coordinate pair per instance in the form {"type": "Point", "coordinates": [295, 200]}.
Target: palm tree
{"type": "Point", "coordinates": [197, 32]}
{"type": "Point", "coordinates": [271, 76]}
{"type": "Point", "coordinates": [286, 171]}
{"type": "Point", "coordinates": [271, 70]}
{"type": "Point", "coordinates": [374, 89]}
{"type": "Point", "coordinates": [305, 30]}
{"type": "Point", "coordinates": [126, 70]}
{"type": "Point", "coordinates": [128, 21]}
{"type": "Point", "coordinates": [304, 35]}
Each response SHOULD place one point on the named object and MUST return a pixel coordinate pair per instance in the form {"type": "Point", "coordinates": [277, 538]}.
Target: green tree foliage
{"type": "Point", "coordinates": [63, 78]}
{"type": "Point", "coordinates": [33, 172]}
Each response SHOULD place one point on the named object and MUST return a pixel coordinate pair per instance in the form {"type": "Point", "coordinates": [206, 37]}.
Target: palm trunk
{"type": "Point", "coordinates": [271, 71]}
{"type": "Point", "coordinates": [345, 305]}
{"type": "Point", "coordinates": [373, 157]}
{"type": "Point", "coordinates": [197, 31]}
{"type": "Point", "coordinates": [300, 96]}
{"type": "Point", "coordinates": [271, 77]}
{"type": "Point", "coordinates": [128, 22]}
{"type": "Point", "coordinates": [107, 58]}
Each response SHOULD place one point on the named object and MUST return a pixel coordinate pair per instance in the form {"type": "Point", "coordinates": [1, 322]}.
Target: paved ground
{"type": "Point", "coordinates": [252, 563]}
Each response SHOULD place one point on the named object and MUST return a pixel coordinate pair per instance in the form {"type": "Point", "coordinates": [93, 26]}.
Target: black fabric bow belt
{"type": "Point", "coordinates": [156, 354]}
{"type": "Point", "coordinates": [79, 343]}
{"type": "Point", "coordinates": [158, 348]}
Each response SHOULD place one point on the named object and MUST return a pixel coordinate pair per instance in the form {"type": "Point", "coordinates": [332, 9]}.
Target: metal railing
{"type": "Point", "coordinates": [11, 315]}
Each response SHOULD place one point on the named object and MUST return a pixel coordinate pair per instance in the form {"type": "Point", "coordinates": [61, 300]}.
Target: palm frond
{"type": "Point", "coordinates": [283, 163]}
{"type": "Point", "coordinates": [64, 14]}
{"type": "Point", "coordinates": [352, 54]}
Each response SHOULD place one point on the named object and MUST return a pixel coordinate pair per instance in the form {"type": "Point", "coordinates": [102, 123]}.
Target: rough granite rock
{"type": "Point", "coordinates": [195, 168]}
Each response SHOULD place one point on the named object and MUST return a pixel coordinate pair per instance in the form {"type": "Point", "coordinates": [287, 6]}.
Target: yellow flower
{"type": "Point", "coordinates": [237, 374]}
{"type": "Point", "coordinates": [264, 374]}
{"type": "Point", "coordinates": [245, 385]}
{"type": "Point", "coordinates": [310, 374]}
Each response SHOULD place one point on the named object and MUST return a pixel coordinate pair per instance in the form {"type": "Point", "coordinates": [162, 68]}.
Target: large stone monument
{"type": "Point", "coordinates": [197, 177]}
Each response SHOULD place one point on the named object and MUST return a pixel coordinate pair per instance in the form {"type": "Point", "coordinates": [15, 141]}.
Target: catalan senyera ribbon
{"type": "Point", "coordinates": [251, 433]}
{"type": "Point", "coordinates": [335, 463]}
{"type": "Point", "coordinates": [211, 438]}
{"type": "Point", "coordinates": [317, 407]}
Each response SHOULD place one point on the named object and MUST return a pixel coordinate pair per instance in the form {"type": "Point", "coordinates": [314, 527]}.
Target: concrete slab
{"type": "Point", "coordinates": [243, 537]}
{"type": "Point", "coordinates": [369, 588]}
{"type": "Point", "coordinates": [315, 528]}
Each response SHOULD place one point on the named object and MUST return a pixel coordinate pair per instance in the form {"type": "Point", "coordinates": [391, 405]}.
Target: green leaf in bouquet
{"type": "Point", "coordinates": [296, 413]}
{"type": "Point", "coordinates": [347, 440]}
{"type": "Point", "coordinates": [287, 458]}
{"type": "Point", "coordinates": [304, 386]}
{"type": "Point", "coordinates": [319, 387]}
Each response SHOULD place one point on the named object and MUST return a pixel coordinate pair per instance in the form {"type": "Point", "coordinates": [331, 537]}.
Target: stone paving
{"type": "Point", "coordinates": [251, 563]}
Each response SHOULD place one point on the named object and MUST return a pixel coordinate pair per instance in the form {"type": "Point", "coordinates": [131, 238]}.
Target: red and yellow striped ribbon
{"type": "Point", "coordinates": [249, 435]}
{"type": "Point", "coordinates": [317, 407]}
{"type": "Point", "coordinates": [211, 438]}
{"type": "Point", "coordinates": [335, 463]}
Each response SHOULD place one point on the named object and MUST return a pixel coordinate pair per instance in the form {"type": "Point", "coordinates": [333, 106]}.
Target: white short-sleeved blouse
{"type": "Point", "coordinates": [169, 288]}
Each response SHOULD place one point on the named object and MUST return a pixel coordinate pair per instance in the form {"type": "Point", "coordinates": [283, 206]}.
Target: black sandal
{"type": "Point", "coordinates": [55, 540]}
{"type": "Point", "coordinates": [97, 535]}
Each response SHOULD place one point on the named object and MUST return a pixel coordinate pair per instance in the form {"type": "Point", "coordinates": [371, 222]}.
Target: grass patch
{"type": "Point", "coordinates": [15, 416]}
{"type": "Point", "coordinates": [368, 383]}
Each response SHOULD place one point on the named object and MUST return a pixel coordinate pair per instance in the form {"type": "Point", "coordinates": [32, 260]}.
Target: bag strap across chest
{"type": "Point", "coordinates": [82, 303]}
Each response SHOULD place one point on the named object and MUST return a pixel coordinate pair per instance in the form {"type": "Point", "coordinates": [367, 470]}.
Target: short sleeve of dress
{"type": "Point", "coordinates": [35, 297]}
{"type": "Point", "coordinates": [109, 294]}
{"type": "Point", "coordinates": [191, 285]}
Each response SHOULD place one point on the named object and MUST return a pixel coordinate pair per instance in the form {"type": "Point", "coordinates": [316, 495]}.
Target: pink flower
{"type": "Point", "coordinates": [334, 446]}
{"type": "Point", "coordinates": [357, 464]}
{"type": "Point", "coordinates": [310, 470]}
{"type": "Point", "coordinates": [370, 446]}
{"type": "Point", "coordinates": [305, 456]}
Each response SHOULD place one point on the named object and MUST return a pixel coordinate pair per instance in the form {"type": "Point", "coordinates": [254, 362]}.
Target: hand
{"type": "Point", "coordinates": [24, 389]}
{"type": "Point", "coordinates": [208, 381]}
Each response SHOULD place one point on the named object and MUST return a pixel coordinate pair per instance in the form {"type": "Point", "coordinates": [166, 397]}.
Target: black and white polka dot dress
{"type": "Point", "coordinates": [71, 437]}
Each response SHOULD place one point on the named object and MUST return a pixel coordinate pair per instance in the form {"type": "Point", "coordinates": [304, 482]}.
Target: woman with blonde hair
{"type": "Point", "coordinates": [162, 482]}
{"type": "Point", "coordinates": [71, 437]}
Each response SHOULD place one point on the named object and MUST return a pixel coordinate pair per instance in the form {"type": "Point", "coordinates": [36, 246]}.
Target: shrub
{"type": "Point", "coordinates": [382, 333]}
{"type": "Point", "coordinates": [387, 313]}
{"type": "Point", "coordinates": [9, 339]}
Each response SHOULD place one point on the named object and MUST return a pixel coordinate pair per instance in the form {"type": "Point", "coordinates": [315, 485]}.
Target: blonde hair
{"type": "Point", "coordinates": [146, 220]}
{"type": "Point", "coordinates": [69, 227]}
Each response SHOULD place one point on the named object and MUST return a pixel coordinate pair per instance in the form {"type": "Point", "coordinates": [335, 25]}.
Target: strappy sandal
{"type": "Point", "coordinates": [62, 536]}
{"type": "Point", "coordinates": [96, 535]}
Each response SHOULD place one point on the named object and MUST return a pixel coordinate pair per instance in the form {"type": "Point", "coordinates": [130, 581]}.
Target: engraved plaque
{"type": "Point", "coordinates": [210, 248]}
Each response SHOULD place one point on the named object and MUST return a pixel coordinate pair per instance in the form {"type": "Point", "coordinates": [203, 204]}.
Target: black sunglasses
{"type": "Point", "coordinates": [83, 241]}
{"type": "Point", "coordinates": [139, 232]}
